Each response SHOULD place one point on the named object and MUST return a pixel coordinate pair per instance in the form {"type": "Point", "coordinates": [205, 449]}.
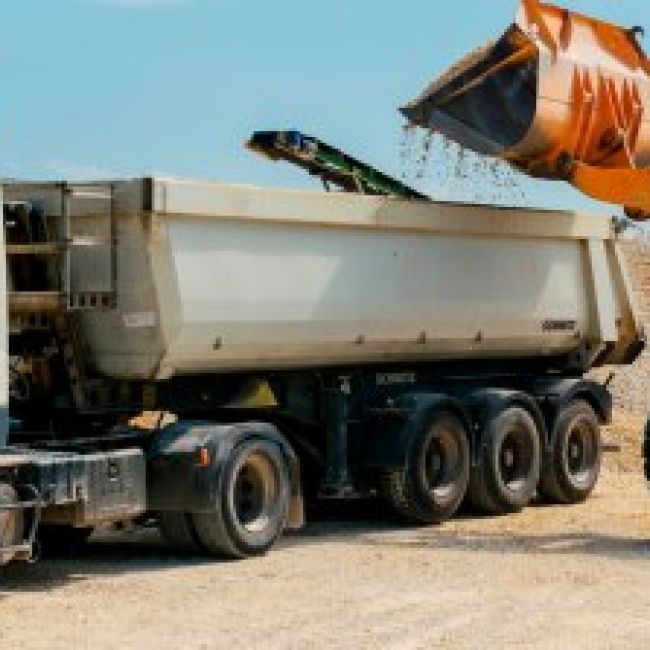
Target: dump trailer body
{"type": "Point", "coordinates": [212, 278]}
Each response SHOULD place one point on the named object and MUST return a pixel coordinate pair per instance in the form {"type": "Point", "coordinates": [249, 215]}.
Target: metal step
{"type": "Point", "coordinates": [29, 302]}
{"type": "Point", "coordinates": [45, 248]}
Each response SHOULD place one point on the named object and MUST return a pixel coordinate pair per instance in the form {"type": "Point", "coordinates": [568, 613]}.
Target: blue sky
{"type": "Point", "coordinates": [127, 87]}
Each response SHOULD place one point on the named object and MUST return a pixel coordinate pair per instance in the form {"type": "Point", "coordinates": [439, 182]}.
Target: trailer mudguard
{"type": "Point", "coordinates": [554, 395]}
{"type": "Point", "coordinates": [186, 461]}
{"type": "Point", "coordinates": [393, 427]}
{"type": "Point", "coordinates": [484, 403]}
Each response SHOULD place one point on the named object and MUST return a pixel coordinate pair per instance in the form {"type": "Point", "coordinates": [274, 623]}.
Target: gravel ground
{"type": "Point", "coordinates": [550, 577]}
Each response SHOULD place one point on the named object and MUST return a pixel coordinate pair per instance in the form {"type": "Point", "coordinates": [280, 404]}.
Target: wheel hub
{"type": "Point", "coordinates": [442, 463]}
{"type": "Point", "coordinates": [515, 458]}
{"type": "Point", "coordinates": [256, 492]}
{"type": "Point", "coordinates": [581, 451]}
{"type": "Point", "coordinates": [509, 457]}
{"type": "Point", "coordinates": [574, 451]}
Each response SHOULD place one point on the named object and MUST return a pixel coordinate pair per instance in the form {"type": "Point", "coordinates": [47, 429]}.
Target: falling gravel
{"type": "Point", "coordinates": [450, 172]}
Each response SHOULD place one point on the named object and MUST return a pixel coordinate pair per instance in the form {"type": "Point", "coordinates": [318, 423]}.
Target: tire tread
{"type": "Point", "coordinates": [177, 529]}
{"type": "Point", "coordinates": [403, 494]}
{"type": "Point", "coordinates": [550, 486]}
{"type": "Point", "coordinates": [484, 494]}
{"type": "Point", "coordinates": [394, 488]}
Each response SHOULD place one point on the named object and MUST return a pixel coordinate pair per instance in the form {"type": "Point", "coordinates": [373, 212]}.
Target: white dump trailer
{"type": "Point", "coordinates": [231, 348]}
{"type": "Point", "coordinates": [213, 278]}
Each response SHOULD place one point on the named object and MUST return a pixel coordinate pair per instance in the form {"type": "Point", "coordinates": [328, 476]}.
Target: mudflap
{"type": "Point", "coordinates": [186, 462]}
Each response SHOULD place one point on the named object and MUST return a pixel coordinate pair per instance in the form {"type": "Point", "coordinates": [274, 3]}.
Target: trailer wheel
{"type": "Point", "coordinates": [431, 487]}
{"type": "Point", "coordinates": [506, 475]}
{"type": "Point", "coordinates": [12, 522]}
{"type": "Point", "coordinates": [178, 531]}
{"type": "Point", "coordinates": [254, 503]}
{"type": "Point", "coordinates": [571, 470]}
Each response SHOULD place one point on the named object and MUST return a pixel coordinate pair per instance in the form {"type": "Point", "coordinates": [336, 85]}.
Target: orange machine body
{"type": "Point", "coordinates": [560, 96]}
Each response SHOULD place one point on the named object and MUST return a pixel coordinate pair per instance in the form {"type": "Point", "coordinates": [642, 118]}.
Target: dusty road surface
{"type": "Point", "coordinates": [575, 577]}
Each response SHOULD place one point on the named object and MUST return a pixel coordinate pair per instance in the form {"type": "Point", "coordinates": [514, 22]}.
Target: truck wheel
{"type": "Point", "coordinates": [506, 475]}
{"type": "Point", "coordinates": [12, 522]}
{"type": "Point", "coordinates": [254, 503]}
{"type": "Point", "coordinates": [431, 487]}
{"type": "Point", "coordinates": [571, 471]}
{"type": "Point", "coordinates": [178, 531]}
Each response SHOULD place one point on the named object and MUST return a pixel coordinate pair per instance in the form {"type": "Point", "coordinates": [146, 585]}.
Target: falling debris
{"type": "Point", "coordinates": [449, 171]}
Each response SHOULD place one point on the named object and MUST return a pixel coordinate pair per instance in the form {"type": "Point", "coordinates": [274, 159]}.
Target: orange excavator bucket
{"type": "Point", "coordinates": [559, 96]}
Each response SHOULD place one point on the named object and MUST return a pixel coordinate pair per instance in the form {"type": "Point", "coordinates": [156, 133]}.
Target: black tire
{"type": "Point", "coordinates": [61, 540]}
{"type": "Point", "coordinates": [572, 468]}
{"type": "Point", "coordinates": [432, 485]}
{"type": "Point", "coordinates": [253, 504]}
{"type": "Point", "coordinates": [506, 475]}
{"type": "Point", "coordinates": [178, 531]}
{"type": "Point", "coordinates": [12, 522]}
